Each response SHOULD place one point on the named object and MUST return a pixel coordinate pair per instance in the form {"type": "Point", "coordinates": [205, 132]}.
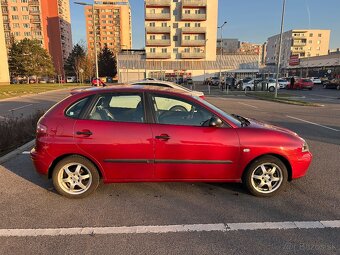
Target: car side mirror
{"type": "Point", "coordinates": [215, 122]}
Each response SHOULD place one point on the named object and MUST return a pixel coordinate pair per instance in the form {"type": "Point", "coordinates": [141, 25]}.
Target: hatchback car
{"type": "Point", "coordinates": [139, 134]}
{"type": "Point", "coordinates": [302, 84]}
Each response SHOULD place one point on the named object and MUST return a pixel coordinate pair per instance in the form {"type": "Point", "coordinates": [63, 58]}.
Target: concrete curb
{"type": "Point", "coordinates": [17, 151]}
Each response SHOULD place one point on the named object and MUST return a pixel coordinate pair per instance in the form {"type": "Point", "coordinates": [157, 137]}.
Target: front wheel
{"type": "Point", "coordinates": [271, 89]}
{"type": "Point", "coordinates": [265, 177]}
{"type": "Point", "coordinates": [75, 177]}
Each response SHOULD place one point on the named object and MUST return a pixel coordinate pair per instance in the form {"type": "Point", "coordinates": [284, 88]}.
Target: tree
{"type": "Point", "coordinates": [75, 61]}
{"type": "Point", "coordinates": [107, 63]}
{"type": "Point", "coordinates": [28, 58]}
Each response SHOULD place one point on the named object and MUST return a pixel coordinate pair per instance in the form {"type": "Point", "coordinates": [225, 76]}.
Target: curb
{"type": "Point", "coordinates": [17, 151]}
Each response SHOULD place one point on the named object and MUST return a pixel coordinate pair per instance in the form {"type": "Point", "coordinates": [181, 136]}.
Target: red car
{"type": "Point", "coordinates": [302, 84]}
{"type": "Point", "coordinates": [97, 82]}
{"type": "Point", "coordinates": [152, 134]}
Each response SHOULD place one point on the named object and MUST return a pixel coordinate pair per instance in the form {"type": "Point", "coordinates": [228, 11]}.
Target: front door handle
{"type": "Point", "coordinates": [84, 133]}
{"type": "Point", "coordinates": [163, 137]}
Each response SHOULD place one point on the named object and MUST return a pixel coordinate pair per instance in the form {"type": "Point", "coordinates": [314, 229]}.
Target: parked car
{"type": "Point", "coordinates": [265, 84]}
{"type": "Point", "coordinates": [97, 82]}
{"type": "Point", "coordinates": [189, 81]}
{"type": "Point", "coordinates": [302, 83]}
{"type": "Point", "coordinates": [316, 80]}
{"type": "Point", "coordinates": [283, 83]}
{"type": "Point", "coordinates": [70, 79]}
{"type": "Point", "coordinates": [126, 134]}
{"type": "Point", "coordinates": [332, 84]}
{"type": "Point", "coordinates": [168, 84]}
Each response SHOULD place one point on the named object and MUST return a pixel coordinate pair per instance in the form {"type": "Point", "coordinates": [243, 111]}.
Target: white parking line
{"type": "Point", "coordinates": [316, 124]}
{"type": "Point", "coordinates": [18, 108]}
{"type": "Point", "coordinates": [249, 105]}
{"type": "Point", "coordinates": [219, 227]}
{"type": "Point", "coordinates": [25, 152]}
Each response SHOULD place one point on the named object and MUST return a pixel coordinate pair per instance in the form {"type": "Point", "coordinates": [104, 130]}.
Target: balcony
{"type": "Point", "coordinates": [158, 55]}
{"type": "Point", "coordinates": [194, 3]}
{"type": "Point", "coordinates": [193, 43]}
{"type": "Point", "coordinates": [4, 2]}
{"type": "Point", "coordinates": [160, 42]}
{"type": "Point", "coordinates": [158, 3]}
{"type": "Point", "coordinates": [301, 36]}
{"type": "Point", "coordinates": [194, 17]}
{"type": "Point", "coordinates": [158, 16]}
{"type": "Point", "coordinates": [35, 20]}
{"type": "Point", "coordinates": [34, 2]}
{"type": "Point", "coordinates": [158, 30]}
{"type": "Point", "coordinates": [194, 30]}
{"type": "Point", "coordinates": [299, 44]}
{"type": "Point", "coordinates": [193, 55]}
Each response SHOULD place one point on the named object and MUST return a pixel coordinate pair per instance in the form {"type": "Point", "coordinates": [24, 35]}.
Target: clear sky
{"type": "Point", "coordinates": [248, 20]}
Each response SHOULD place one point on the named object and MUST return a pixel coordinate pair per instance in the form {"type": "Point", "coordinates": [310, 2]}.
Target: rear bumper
{"type": "Point", "coordinates": [300, 164]}
{"type": "Point", "coordinates": [41, 161]}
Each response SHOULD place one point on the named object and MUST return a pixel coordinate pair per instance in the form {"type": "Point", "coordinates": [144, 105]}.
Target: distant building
{"type": "Point", "coordinates": [250, 48]}
{"type": "Point", "coordinates": [113, 25]}
{"type": "Point", "coordinates": [298, 42]}
{"type": "Point", "coordinates": [181, 30]}
{"type": "Point", "coordinates": [228, 46]}
{"type": "Point", "coordinates": [47, 21]}
{"type": "Point", "coordinates": [4, 74]}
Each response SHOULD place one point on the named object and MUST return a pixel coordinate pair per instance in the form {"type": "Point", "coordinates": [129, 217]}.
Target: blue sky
{"type": "Point", "coordinates": [248, 20]}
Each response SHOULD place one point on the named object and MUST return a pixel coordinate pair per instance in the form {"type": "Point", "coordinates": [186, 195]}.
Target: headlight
{"type": "Point", "coordinates": [305, 147]}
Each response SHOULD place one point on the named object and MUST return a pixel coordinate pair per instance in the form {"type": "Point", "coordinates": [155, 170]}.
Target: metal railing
{"type": "Point", "coordinates": [158, 55]}
{"type": "Point", "coordinates": [193, 42]}
{"type": "Point", "coordinates": [157, 3]}
{"type": "Point", "coordinates": [159, 42]}
{"type": "Point", "coordinates": [194, 3]}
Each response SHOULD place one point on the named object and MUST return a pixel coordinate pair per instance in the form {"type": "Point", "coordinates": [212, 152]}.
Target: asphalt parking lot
{"type": "Point", "coordinates": [185, 218]}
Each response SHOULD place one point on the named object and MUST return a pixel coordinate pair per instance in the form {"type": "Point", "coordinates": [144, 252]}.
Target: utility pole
{"type": "Point", "coordinates": [221, 52]}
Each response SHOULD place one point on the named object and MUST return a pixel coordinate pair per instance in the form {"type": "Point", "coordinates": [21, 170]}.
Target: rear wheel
{"type": "Point", "coordinates": [271, 89]}
{"type": "Point", "coordinates": [75, 177]}
{"type": "Point", "coordinates": [266, 176]}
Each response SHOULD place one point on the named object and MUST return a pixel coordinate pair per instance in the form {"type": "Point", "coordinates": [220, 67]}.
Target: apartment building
{"type": "Point", "coordinates": [181, 30]}
{"type": "Point", "coordinates": [298, 42]}
{"type": "Point", "coordinates": [47, 21]}
{"type": "Point", "coordinates": [4, 74]}
{"type": "Point", "coordinates": [112, 24]}
{"type": "Point", "coordinates": [228, 46]}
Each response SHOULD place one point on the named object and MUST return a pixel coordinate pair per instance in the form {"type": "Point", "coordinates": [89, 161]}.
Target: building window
{"type": "Point", "coordinates": [197, 24]}
{"type": "Point", "coordinates": [164, 50]}
{"type": "Point", "coordinates": [187, 24]}
{"type": "Point", "coordinates": [319, 35]}
{"type": "Point", "coordinates": [14, 8]}
{"type": "Point", "coordinates": [319, 42]}
{"type": "Point", "coordinates": [152, 37]}
{"type": "Point", "coordinates": [311, 35]}
{"type": "Point", "coordinates": [187, 11]}
{"type": "Point", "coordinates": [187, 37]}
{"type": "Point", "coordinates": [175, 50]}
{"type": "Point", "coordinates": [153, 50]}
{"type": "Point", "coordinates": [16, 25]}
{"type": "Point", "coordinates": [310, 41]}
{"type": "Point", "coordinates": [164, 24]}
{"type": "Point", "coordinates": [152, 24]}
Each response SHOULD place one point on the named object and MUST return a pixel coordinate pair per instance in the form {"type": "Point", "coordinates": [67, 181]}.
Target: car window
{"type": "Point", "coordinates": [175, 111]}
{"type": "Point", "coordinates": [74, 110]}
{"type": "Point", "coordinates": [119, 108]}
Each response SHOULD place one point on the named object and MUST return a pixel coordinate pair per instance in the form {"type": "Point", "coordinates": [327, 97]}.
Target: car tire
{"type": "Point", "coordinates": [310, 88]}
{"type": "Point", "coordinates": [325, 86]}
{"type": "Point", "coordinates": [271, 89]}
{"type": "Point", "coordinates": [338, 87]}
{"type": "Point", "coordinates": [75, 177]}
{"type": "Point", "coordinates": [265, 177]}
{"type": "Point", "coordinates": [248, 88]}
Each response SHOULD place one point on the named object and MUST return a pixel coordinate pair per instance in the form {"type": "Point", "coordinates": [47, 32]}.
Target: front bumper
{"type": "Point", "coordinates": [300, 164]}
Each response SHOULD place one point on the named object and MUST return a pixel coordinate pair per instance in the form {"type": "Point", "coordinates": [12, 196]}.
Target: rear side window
{"type": "Point", "coordinates": [74, 110]}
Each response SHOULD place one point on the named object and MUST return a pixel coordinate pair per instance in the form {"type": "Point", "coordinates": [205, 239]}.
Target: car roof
{"type": "Point", "coordinates": [155, 81]}
{"type": "Point", "coordinates": [127, 88]}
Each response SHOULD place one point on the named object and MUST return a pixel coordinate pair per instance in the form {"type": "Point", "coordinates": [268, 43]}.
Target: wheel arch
{"type": "Point", "coordinates": [58, 159]}
{"type": "Point", "coordinates": [284, 160]}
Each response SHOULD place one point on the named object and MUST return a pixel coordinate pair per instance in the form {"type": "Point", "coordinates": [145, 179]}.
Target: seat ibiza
{"type": "Point", "coordinates": [152, 134]}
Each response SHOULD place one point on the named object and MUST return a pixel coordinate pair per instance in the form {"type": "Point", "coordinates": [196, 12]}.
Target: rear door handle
{"type": "Point", "coordinates": [163, 137]}
{"type": "Point", "coordinates": [84, 133]}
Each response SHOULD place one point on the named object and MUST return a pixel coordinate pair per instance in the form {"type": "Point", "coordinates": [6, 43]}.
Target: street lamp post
{"type": "Point", "coordinates": [95, 38]}
{"type": "Point", "coordinates": [221, 51]}
{"type": "Point", "coordinates": [280, 47]}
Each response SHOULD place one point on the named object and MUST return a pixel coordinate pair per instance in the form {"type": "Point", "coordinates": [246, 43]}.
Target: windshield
{"type": "Point", "coordinates": [225, 115]}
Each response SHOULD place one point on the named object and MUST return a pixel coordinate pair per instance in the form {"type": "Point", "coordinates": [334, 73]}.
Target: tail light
{"type": "Point", "coordinates": [41, 129]}
{"type": "Point", "coordinates": [202, 97]}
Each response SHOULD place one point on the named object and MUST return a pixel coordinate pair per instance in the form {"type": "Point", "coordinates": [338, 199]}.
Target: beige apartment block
{"type": "Point", "coordinates": [47, 21]}
{"type": "Point", "coordinates": [301, 42]}
{"type": "Point", "coordinates": [4, 74]}
{"type": "Point", "coordinates": [181, 30]}
{"type": "Point", "coordinates": [113, 25]}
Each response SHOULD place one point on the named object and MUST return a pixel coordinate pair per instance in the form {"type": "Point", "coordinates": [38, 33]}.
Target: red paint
{"type": "Point", "coordinates": [302, 84]}
{"type": "Point", "coordinates": [225, 152]}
